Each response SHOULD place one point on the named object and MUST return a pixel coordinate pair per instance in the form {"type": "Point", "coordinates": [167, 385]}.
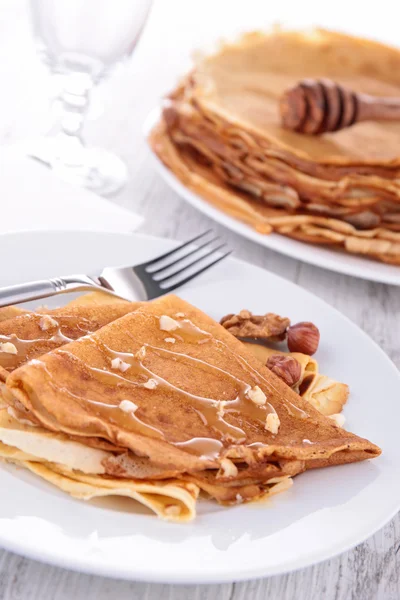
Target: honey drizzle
{"type": "Point", "coordinates": [293, 410]}
{"type": "Point", "coordinates": [207, 408]}
{"type": "Point", "coordinates": [23, 346]}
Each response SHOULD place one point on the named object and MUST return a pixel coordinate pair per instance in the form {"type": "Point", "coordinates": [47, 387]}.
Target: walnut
{"type": "Point", "coordinates": [286, 368]}
{"type": "Point", "coordinates": [259, 327]}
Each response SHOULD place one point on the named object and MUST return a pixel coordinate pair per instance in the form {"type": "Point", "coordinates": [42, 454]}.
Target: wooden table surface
{"type": "Point", "coordinates": [371, 570]}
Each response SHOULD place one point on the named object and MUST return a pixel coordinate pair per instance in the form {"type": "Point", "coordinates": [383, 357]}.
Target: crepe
{"type": "Point", "coordinates": [324, 393]}
{"type": "Point", "coordinates": [379, 243]}
{"type": "Point", "coordinates": [29, 335]}
{"type": "Point", "coordinates": [95, 299]}
{"type": "Point", "coordinates": [8, 312]}
{"type": "Point", "coordinates": [220, 134]}
{"type": "Point", "coordinates": [244, 81]}
{"type": "Point", "coordinates": [172, 394]}
{"type": "Point", "coordinates": [64, 459]}
{"type": "Point", "coordinates": [77, 469]}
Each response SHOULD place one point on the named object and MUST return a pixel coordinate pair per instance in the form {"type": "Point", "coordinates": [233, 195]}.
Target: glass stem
{"type": "Point", "coordinates": [75, 98]}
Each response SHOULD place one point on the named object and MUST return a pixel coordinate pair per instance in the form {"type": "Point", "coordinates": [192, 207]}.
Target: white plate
{"type": "Point", "coordinates": [325, 512]}
{"type": "Point", "coordinates": [341, 262]}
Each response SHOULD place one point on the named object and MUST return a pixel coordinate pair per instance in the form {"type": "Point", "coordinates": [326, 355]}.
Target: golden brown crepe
{"type": "Point", "coordinates": [175, 390]}
{"type": "Point", "coordinates": [220, 134]}
{"type": "Point", "coordinates": [29, 335]}
{"type": "Point", "coordinates": [78, 470]}
{"type": "Point", "coordinates": [64, 458]}
{"type": "Point", "coordinates": [95, 299]}
{"type": "Point", "coordinates": [171, 395]}
{"type": "Point", "coordinates": [8, 312]}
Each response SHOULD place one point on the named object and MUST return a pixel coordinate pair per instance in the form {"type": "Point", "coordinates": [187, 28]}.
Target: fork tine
{"type": "Point", "coordinates": [193, 262]}
{"type": "Point", "coordinates": [173, 262]}
{"type": "Point", "coordinates": [171, 252]}
{"type": "Point", "coordinates": [193, 275]}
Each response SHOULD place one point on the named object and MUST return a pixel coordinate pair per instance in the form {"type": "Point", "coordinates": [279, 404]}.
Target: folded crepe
{"type": "Point", "coordinates": [87, 472]}
{"type": "Point", "coordinates": [8, 312]}
{"type": "Point", "coordinates": [31, 334]}
{"type": "Point", "coordinates": [95, 299]}
{"type": "Point", "coordinates": [324, 393]}
{"type": "Point", "coordinates": [220, 134]}
{"type": "Point", "coordinates": [327, 395]}
{"type": "Point", "coordinates": [173, 394]}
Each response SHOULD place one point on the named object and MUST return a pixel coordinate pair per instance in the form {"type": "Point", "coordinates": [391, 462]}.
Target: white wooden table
{"type": "Point", "coordinates": [371, 570]}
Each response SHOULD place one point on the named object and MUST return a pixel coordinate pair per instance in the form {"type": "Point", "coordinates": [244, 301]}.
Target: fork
{"type": "Point", "coordinates": [141, 282]}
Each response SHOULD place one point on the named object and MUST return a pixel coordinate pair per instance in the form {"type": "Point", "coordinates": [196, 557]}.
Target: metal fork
{"type": "Point", "coordinates": [146, 281]}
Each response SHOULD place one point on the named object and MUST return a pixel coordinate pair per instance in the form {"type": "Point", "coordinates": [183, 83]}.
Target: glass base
{"type": "Point", "coordinates": [96, 169]}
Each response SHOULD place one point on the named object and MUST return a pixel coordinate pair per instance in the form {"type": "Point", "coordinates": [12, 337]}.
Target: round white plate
{"type": "Point", "coordinates": [340, 262]}
{"type": "Point", "coordinates": [324, 513]}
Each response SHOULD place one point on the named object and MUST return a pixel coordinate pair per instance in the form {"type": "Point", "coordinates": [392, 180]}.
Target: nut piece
{"type": "Point", "coordinates": [257, 395]}
{"type": "Point", "coordinates": [281, 486]}
{"type": "Point", "coordinates": [272, 423]}
{"type": "Point", "coordinates": [8, 348]}
{"type": "Point", "coordinates": [141, 353]}
{"type": "Point", "coordinates": [338, 419]}
{"type": "Point", "coordinates": [170, 340]}
{"type": "Point", "coordinates": [168, 324]}
{"type": "Point", "coordinates": [46, 322]}
{"type": "Point", "coordinates": [266, 327]}
{"type": "Point", "coordinates": [228, 469]}
{"type": "Point", "coordinates": [286, 367]}
{"type": "Point", "coordinates": [150, 384]}
{"type": "Point", "coordinates": [303, 337]}
{"type": "Point", "coordinates": [127, 406]}
{"type": "Point", "coordinates": [221, 408]}
{"type": "Point", "coordinates": [119, 365]}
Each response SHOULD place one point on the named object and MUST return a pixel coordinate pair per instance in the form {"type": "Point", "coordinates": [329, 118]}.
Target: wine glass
{"type": "Point", "coordinates": [82, 40]}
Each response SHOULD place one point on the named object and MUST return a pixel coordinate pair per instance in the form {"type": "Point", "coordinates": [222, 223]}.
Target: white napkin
{"type": "Point", "coordinates": [33, 198]}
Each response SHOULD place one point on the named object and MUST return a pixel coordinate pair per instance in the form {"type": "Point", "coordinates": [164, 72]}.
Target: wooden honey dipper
{"type": "Point", "coordinates": [318, 106]}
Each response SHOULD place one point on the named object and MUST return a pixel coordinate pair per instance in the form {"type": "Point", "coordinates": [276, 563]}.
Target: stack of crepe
{"type": "Point", "coordinates": [220, 134]}
{"type": "Point", "coordinates": [157, 402]}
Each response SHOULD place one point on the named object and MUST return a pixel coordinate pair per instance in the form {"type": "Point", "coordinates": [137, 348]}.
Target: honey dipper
{"type": "Point", "coordinates": [318, 106]}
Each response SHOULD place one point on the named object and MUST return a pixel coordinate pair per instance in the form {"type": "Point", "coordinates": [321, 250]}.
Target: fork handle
{"type": "Point", "coordinates": [14, 294]}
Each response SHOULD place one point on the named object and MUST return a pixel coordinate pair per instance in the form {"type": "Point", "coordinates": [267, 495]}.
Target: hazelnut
{"type": "Point", "coordinates": [286, 368]}
{"type": "Point", "coordinates": [303, 337]}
